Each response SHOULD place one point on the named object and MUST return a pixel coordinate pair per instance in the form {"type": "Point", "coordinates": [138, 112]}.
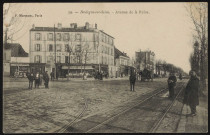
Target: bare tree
{"type": "Point", "coordinates": [12, 23]}
{"type": "Point", "coordinates": [85, 54]}
{"type": "Point", "coordinates": [198, 13]}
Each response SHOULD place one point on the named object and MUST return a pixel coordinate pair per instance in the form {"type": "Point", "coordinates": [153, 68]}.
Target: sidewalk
{"type": "Point", "coordinates": [9, 79]}
{"type": "Point", "coordinates": [195, 124]}
{"type": "Point", "coordinates": [91, 79]}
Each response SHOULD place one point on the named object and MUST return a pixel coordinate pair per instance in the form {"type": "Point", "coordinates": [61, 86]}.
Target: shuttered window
{"type": "Point", "coordinates": [58, 36]}
{"type": "Point", "coordinates": [58, 48]}
{"type": "Point", "coordinates": [50, 36]}
{"type": "Point", "coordinates": [37, 47]}
{"type": "Point", "coordinates": [66, 37]}
{"type": "Point", "coordinates": [50, 47]}
{"type": "Point", "coordinates": [37, 59]}
{"type": "Point", "coordinates": [38, 36]}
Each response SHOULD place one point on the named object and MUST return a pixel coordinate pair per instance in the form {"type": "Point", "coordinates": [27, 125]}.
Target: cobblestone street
{"type": "Point", "coordinates": [42, 110]}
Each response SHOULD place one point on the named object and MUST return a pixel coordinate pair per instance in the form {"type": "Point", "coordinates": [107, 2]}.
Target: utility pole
{"type": "Point", "coordinates": [55, 51]}
{"type": "Point", "coordinates": [68, 61]}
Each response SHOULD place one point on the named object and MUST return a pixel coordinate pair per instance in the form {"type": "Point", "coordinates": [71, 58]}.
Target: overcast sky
{"type": "Point", "coordinates": [165, 28]}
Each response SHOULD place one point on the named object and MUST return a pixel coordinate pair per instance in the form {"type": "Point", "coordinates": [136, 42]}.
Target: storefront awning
{"type": "Point", "coordinates": [76, 67]}
{"type": "Point", "coordinates": [19, 64]}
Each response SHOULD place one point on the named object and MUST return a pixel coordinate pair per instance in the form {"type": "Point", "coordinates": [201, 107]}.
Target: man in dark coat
{"type": "Point", "coordinates": [37, 80]}
{"type": "Point", "coordinates": [171, 84]}
{"type": "Point", "coordinates": [132, 79]}
{"type": "Point", "coordinates": [57, 75]}
{"type": "Point", "coordinates": [191, 93]}
{"type": "Point", "coordinates": [30, 79]}
{"type": "Point", "coordinates": [46, 80]}
{"type": "Point", "coordinates": [52, 76]}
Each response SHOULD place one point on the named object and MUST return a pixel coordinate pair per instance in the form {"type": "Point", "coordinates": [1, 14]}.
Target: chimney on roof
{"type": "Point", "coordinates": [95, 25]}
{"type": "Point", "coordinates": [59, 25]}
{"type": "Point", "coordinates": [73, 25]}
{"type": "Point", "coordinates": [87, 25]}
{"type": "Point", "coordinates": [33, 26]}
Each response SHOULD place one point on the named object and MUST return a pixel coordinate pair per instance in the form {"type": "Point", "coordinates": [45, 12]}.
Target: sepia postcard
{"type": "Point", "coordinates": [139, 67]}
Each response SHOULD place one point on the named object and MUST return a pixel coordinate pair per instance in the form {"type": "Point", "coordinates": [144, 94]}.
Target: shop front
{"type": "Point", "coordinates": [77, 69]}
{"type": "Point", "coordinates": [19, 69]}
{"type": "Point", "coordinates": [37, 67]}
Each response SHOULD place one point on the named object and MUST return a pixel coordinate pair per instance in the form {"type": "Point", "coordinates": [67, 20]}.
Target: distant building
{"type": "Point", "coordinates": [14, 57]}
{"type": "Point", "coordinates": [123, 63]}
{"type": "Point", "coordinates": [73, 48]}
{"type": "Point", "coordinates": [145, 59]}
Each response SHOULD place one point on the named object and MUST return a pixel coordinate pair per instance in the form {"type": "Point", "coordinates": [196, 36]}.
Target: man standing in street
{"type": "Point", "coordinates": [52, 76]}
{"type": "Point", "coordinates": [30, 79]}
{"type": "Point", "coordinates": [132, 79]}
{"type": "Point", "coordinates": [37, 80]}
{"type": "Point", "coordinates": [171, 84]}
{"type": "Point", "coordinates": [46, 80]}
{"type": "Point", "coordinates": [191, 93]}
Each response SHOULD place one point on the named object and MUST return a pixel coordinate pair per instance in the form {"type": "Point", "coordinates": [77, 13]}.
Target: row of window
{"type": "Point", "coordinates": [58, 48]}
{"type": "Point", "coordinates": [106, 39]}
{"type": "Point", "coordinates": [106, 60]}
{"type": "Point", "coordinates": [124, 62]}
{"type": "Point", "coordinates": [38, 59]}
{"type": "Point", "coordinates": [50, 37]}
{"type": "Point", "coordinates": [107, 50]}
{"type": "Point", "coordinates": [66, 37]}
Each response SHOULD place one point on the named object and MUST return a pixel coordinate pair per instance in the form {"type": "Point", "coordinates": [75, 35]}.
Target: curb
{"type": "Point", "coordinates": [183, 120]}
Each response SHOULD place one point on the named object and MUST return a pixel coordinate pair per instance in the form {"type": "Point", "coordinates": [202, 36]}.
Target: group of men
{"type": "Point", "coordinates": [191, 91]}
{"type": "Point", "coordinates": [38, 79]}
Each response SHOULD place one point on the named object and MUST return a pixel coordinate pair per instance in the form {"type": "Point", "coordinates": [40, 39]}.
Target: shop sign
{"type": "Point", "coordinates": [19, 64]}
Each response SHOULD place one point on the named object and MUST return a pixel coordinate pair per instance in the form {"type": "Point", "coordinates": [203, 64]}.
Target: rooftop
{"type": "Point", "coordinates": [118, 53]}
{"type": "Point", "coordinates": [72, 28]}
{"type": "Point", "coordinates": [80, 29]}
{"type": "Point", "coordinates": [16, 50]}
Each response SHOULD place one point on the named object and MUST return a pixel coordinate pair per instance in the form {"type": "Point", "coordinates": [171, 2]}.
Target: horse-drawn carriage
{"type": "Point", "coordinates": [146, 75]}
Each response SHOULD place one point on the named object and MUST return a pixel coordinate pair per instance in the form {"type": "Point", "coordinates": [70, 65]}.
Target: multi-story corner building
{"type": "Point", "coordinates": [123, 63]}
{"type": "Point", "coordinates": [15, 59]}
{"type": "Point", "coordinates": [71, 49]}
{"type": "Point", "coordinates": [145, 59]}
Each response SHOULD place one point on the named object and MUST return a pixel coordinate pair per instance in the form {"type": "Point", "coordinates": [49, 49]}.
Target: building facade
{"type": "Point", "coordinates": [71, 49]}
{"type": "Point", "coordinates": [13, 58]}
{"type": "Point", "coordinates": [123, 63]}
{"type": "Point", "coordinates": [145, 59]}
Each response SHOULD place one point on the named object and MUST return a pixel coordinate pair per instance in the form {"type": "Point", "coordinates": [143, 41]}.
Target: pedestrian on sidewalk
{"type": "Point", "coordinates": [132, 79]}
{"type": "Point", "coordinates": [191, 92]}
{"type": "Point", "coordinates": [171, 84]}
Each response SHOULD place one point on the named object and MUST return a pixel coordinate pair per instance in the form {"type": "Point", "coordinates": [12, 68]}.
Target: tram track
{"type": "Point", "coordinates": [153, 129]}
{"type": "Point", "coordinates": [155, 126]}
{"type": "Point", "coordinates": [64, 128]}
{"type": "Point", "coordinates": [122, 112]}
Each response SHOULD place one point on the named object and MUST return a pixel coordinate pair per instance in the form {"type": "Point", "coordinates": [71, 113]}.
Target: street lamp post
{"type": "Point", "coordinates": [68, 63]}
{"type": "Point", "coordinates": [55, 51]}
